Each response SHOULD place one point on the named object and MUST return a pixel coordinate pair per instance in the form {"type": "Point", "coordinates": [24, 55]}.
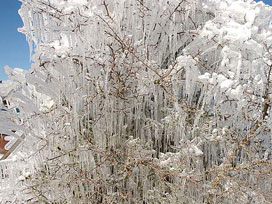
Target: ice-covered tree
{"type": "Point", "coordinates": [141, 101]}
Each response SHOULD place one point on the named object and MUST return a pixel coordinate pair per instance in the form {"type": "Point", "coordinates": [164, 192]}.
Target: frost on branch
{"type": "Point", "coordinates": [135, 101]}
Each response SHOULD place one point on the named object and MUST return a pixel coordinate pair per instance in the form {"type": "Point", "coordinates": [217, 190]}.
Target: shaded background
{"type": "Point", "coordinates": [14, 50]}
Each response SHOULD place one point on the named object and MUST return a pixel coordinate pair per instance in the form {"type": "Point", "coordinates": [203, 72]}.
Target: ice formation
{"type": "Point", "coordinates": [132, 101]}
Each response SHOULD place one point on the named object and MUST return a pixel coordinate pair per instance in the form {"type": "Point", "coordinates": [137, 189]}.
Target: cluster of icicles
{"type": "Point", "coordinates": [141, 102]}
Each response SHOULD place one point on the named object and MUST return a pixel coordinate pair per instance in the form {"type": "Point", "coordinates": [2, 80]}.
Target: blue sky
{"type": "Point", "coordinates": [14, 49]}
{"type": "Point", "coordinates": [266, 1]}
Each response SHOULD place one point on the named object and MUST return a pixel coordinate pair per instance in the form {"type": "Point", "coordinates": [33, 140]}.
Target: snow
{"type": "Point", "coordinates": [226, 84]}
{"type": "Point", "coordinates": [237, 92]}
{"type": "Point", "coordinates": [61, 46]}
{"type": "Point", "coordinates": [11, 141]}
{"type": "Point", "coordinates": [204, 78]}
{"type": "Point", "coordinates": [213, 79]}
{"type": "Point", "coordinates": [194, 150]}
{"type": "Point", "coordinates": [234, 31]}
